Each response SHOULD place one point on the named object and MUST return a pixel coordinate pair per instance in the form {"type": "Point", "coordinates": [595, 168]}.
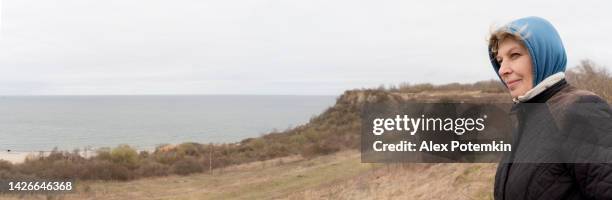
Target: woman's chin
{"type": "Point", "coordinates": [517, 92]}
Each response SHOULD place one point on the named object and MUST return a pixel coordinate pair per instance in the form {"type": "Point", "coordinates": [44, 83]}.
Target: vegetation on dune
{"type": "Point", "coordinates": [592, 77]}
{"type": "Point", "coordinates": [335, 129]}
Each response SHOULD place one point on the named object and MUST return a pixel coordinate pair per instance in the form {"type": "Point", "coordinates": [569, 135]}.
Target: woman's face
{"type": "Point", "coordinates": [516, 69]}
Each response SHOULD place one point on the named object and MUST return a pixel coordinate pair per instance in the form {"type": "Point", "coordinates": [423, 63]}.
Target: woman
{"type": "Point", "coordinates": [562, 136]}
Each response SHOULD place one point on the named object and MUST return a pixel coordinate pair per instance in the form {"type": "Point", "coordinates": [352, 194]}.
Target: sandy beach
{"type": "Point", "coordinates": [15, 157]}
{"type": "Point", "coordinates": [20, 156]}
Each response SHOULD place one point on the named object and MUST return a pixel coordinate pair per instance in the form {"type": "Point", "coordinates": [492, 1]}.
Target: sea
{"type": "Point", "coordinates": [42, 123]}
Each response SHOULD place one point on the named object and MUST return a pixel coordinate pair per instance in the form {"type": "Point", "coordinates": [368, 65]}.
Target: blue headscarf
{"type": "Point", "coordinates": [544, 45]}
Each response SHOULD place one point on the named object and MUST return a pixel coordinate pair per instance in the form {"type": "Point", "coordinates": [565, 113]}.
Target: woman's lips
{"type": "Point", "coordinates": [512, 84]}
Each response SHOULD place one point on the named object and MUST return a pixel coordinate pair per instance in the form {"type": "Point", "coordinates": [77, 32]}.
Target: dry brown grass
{"type": "Point", "coordinates": [336, 176]}
{"type": "Point", "coordinates": [412, 181]}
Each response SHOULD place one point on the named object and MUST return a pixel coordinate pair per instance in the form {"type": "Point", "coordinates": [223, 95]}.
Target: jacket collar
{"type": "Point", "coordinates": [541, 87]}
{"type": "Point", "coordinates": [542, 97]}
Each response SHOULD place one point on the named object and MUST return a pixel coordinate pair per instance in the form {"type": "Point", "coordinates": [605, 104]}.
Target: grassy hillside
{"type": "Point", "coordinates": [336, 176]}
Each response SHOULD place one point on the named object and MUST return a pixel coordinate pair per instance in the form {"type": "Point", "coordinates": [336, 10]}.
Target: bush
{"type": "Point", "coordinates": [592, 77]}
{"type": "Point", "coordinates": [124, 155]}
{"type": "Point", "coordinates": [187, 166]}
{"type": "Point", "coordinates": [188, 149]}
{"type": "Point", "coordinates": [61, 169]}
{"type": "Point", "coordinates": [103, 154]}
{"type": "Point", "coordinates": [152, 168]}
{"type": "Point", "coordinates": [6, 165]}
{"type": "Point", "coordinates": [105, 170]}
{"type": "Point", "coordinates": [321, 148]}
{"type": "Point", "coordinates": [167, 158]}
{"type": "Point", "coordinates": [14, 175]}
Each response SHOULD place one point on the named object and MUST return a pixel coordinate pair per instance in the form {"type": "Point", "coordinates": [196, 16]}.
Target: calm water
{"type": "Point", "coordinates": [35, 123]}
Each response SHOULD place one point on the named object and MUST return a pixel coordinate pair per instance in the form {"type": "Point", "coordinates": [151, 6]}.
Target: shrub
{"type": "Point", "coordinates": [188, 149]}
{"type": "Point", "coordinates": [167, 158]}
{"type": "Point", "coordinates": [103, 154]}
{"type": "Point", "coordinates": [187, 166]}
{"type": "Point", "coordinates": [592, 77]}
{"type": "Point", "coordinates": [5, 165]}
{"type": "Point", "coordinates": [105, 170]}
{"type": "Point", "coordinates": [14, 175]}
{"type": "Point", "coordinates": [143, 155]}
{"type": "Point", "coordinates": [152, 168]}
{"type": "Point", "coordinates": [321, 148]}
{"type": "Point", "coordinates": [61, 169]}
{"type": "Point", "coordinates": [124, 155]}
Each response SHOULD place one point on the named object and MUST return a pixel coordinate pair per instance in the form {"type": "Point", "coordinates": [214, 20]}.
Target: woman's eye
{"type": "Point", "coordinates": [515, 55]}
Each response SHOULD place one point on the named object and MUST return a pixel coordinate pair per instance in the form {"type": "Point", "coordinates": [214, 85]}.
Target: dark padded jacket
{"type": "Point", "coordinates": [543, 164]}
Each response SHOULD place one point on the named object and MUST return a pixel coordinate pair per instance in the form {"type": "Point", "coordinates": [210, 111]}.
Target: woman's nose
{"type": "Point", "coordinates": [504, 69]}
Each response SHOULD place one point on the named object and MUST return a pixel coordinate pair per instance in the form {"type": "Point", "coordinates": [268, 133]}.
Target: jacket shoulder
{"type": "Point", "coordinates": [571, 96]}
{"type": "Point", "coordinates": [572, 107]}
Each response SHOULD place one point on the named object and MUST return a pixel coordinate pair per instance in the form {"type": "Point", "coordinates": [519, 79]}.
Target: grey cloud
{"type": "Point", "coordinates": [266, 47]}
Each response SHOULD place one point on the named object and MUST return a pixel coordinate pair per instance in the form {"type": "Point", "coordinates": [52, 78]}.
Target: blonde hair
{"type": "Point", "coordinates": [498, 35]}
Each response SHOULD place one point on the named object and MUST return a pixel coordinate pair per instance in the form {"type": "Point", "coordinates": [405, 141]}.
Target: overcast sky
{"type": "Point", "coordinates": [300, 47]}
